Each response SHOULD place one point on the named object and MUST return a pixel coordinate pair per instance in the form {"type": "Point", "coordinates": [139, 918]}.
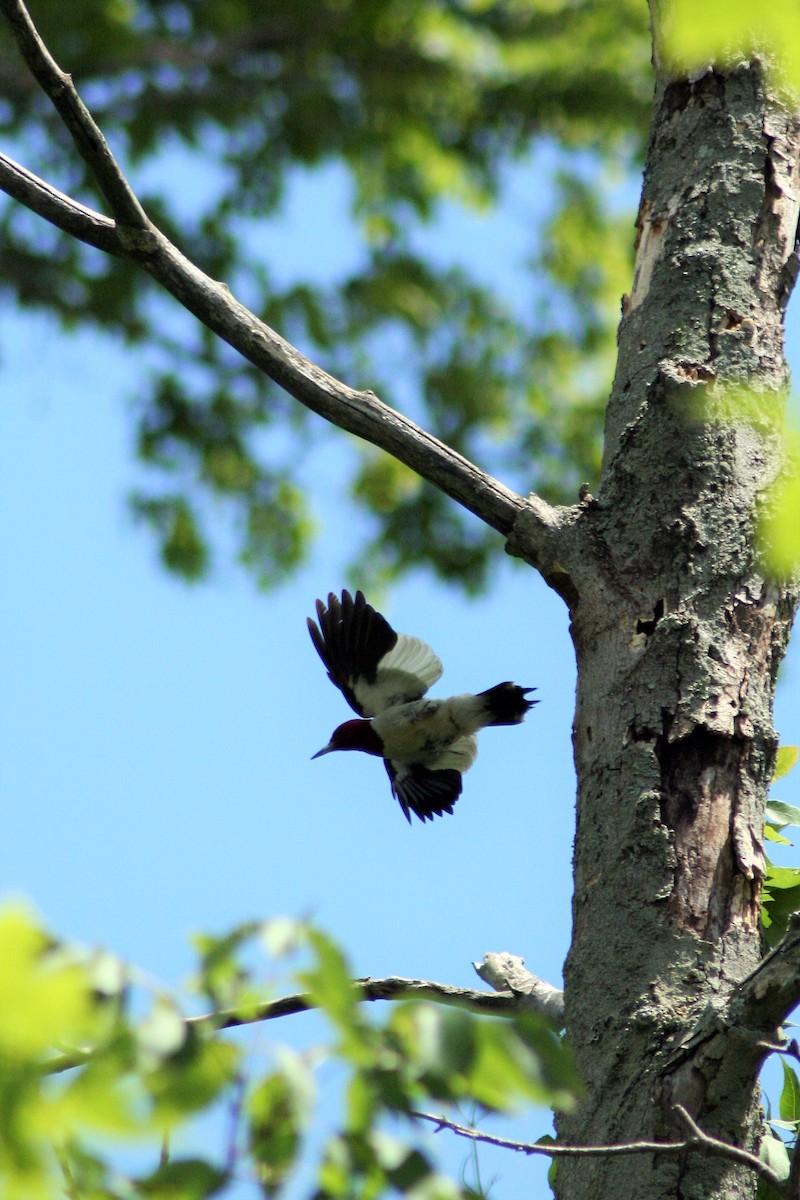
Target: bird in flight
{"type": "Point", "coordinates": [426, 745]}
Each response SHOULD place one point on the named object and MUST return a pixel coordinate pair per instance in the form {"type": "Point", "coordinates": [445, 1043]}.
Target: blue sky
{"type": "Point", "coordinates": [156, 740]}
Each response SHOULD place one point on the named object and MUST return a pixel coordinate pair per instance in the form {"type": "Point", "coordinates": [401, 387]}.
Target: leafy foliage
{"type": "Point", "coordinates": [82, 1070]}
{"type": "Point", "coordinates": [415, 109]}
{"type": "Point", "coordinates": [780, 899]}
{"type": "Point", "coordinates": [781, 893]}
{"type": "Point", "coordinates": [731, 29]}
{"type": "Point", "coordinates": [781, 1137]}
{"type": "Point", "coordinates": [779, 528]}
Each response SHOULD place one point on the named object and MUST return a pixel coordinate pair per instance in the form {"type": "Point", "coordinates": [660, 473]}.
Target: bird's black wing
{"type": "Point", "coordinates": [351, 640]}
{"type": "Point", "coordinates": [426, 793]}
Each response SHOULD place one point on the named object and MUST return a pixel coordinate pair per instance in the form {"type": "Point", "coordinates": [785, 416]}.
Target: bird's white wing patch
{"type": "Point", "coordinates": [404, 673]}
{"type": "Point", "coordinates": [457, 757]}
{"type": "Point", "coordinates": [414, 657]}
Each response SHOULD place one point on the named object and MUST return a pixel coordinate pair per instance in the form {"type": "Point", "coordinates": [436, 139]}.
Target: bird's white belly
{"type": "Point", "coordinates": [432, 733]}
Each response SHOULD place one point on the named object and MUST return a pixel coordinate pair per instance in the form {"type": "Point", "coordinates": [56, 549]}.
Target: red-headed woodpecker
{"type": "Point", "coordinates": [425, 744]}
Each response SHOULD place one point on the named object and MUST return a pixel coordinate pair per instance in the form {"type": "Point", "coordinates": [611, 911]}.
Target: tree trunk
{"type": "Point", "coordinates": [678, 636]}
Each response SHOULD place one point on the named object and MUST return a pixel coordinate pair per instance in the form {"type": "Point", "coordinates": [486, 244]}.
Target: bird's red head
{"type": "Point", "coordinates": [353, 735]}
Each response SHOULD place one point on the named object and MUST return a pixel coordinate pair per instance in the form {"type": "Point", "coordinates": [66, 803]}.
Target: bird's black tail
{"type": "Point", "coordinates": [506, 704]}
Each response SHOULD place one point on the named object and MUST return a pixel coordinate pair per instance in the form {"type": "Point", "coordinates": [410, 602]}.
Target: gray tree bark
{"type": "Point", "coordinates": [678, 635]}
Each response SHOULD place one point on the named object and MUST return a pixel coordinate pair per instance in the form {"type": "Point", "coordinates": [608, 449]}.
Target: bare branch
{"type": "Point", "coordinates": [697, 1140]}
{"type": "Point", "coordinates": [88, 138]}
{"type": "Point", "coordinates": [700, 1140]}
{"type": "Point", "coordinates": [740, 1035]}
{"type": "Point", "coordinates": [46, 201]}
{"type": "Point", "coordinates": [358, 412]}
{"type": "Point", "coordinates": [506, 972]}
{"type": "Point", "coordinates": [396, 987]}
{"type": "Point", "coordinates": [392, 987]}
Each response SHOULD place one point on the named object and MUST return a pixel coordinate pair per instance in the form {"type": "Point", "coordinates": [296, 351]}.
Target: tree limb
{"type": "Point", "coordinates": [60, 210]}
{"type": "Point", "coordinates": [392, 987]}
{"type": "Point", "coordinates": [747, 1027]}
{"type": "Point", "coordinates": [765, 997]}
{"type": "Point", "coordinates": [358, 412]}
{"type": "Point", "coordinates": [697, 1140]}
{"type": "Point", "coordinates": [506, 972]}
{"type": "Point", "coordinates": [88, 138]}
{"type": "Point", "coordinates": [728, 1045]}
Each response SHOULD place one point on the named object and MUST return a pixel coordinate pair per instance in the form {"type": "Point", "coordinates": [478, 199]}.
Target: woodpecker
{"type": "Point", "coordinates": [426, 745]}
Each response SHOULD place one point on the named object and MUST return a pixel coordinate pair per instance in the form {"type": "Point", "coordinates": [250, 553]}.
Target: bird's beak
{"type": "Point", "coordinates": [325, 750]}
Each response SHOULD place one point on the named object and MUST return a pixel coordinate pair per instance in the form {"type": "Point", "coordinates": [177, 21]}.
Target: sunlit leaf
{"type": "Point", "coordinates": [781, 898]}
{"type": "Point", "coordinates": [786, 759]}
{"type": "Point", "coordinates": [781, 815]}
{"type": "Point", "coordinates": [782, 878]}
{"type": "Point", "coordinates": [771, 835]}
{"type": "Point", "coordinates": [281, 935]}
{"type": "Point", "coordinates": [335, 1169]}
{"type": "Point", "coordinates": [789, 1103]}
{"type": "Point", "coordinates": [42, 1000]}
{"type": "Point", "coordinates": [779, 526]}
{"type": "Point", "coordinates": [732, 30]}
{"type": "Point", "coordinates": [163, 1030]}
{"type": "Point", "coordinates": [773, 1152]}
{"type": "Point", "coordinates": [329, 980]}
{"type": "Point", "coordinates": [362, 1102]}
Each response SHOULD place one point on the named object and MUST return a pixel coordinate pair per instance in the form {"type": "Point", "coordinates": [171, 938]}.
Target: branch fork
{"type": "Point", "coordinates": [131, 235]}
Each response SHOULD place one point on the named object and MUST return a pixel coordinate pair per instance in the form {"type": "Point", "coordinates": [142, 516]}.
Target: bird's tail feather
{"type": "Point", "coordinates": [506, 703]}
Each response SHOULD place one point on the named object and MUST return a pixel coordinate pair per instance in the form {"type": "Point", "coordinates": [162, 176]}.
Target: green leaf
{"type": "Point", "coordinates": [547, 1139]}
{"type": "Point", "coordinates": [781, 814]}
{"type": "Point", "coordinates": [163, 1030]}
{"type": "Point", "coordinates": [439, 1187]}
{"type": "Point", "coordinates": [499, 1064]}
{"type": "Point", "coordinates": [329, 980]}
{"type": "Point", "coordinates": [222, 977]}
{"type": "Point", "coordinates": [362, 1102]}
{"type": "Point", "coordinates": [88, 1173]}
{"type": "Point", "coordinates": [101, 1097]}
{"type": "Point", "coordinates": [279, 1110]}
{"type": "Point", "coordinates": [405, 1168]}
{"type": "Point", "coordinates": [779, 529]}
{"type": "Point", "coordinates": [528, 1061]}
{"type": "Point", "coordinates": [282, 936]}
{"type": "Point", "coordinates": [731, 29]}
{"type": "Point", "coordinates": [773, 1152]}
{"type": "Point", "coordinates": [444, 1039]}
{"type": "Point", "coordinates": [193, 1077]}
{"type": "Point", "coordinates": [772, 836]}
{"type": "Point", "coordinates": [785, 760]}
{"type": "Point", "coordinates": [335, 1170]}
{"type": "Point", "coordinates": [44, 1000]}
{"type": "Point", "coordinates": [183, 1179]}
{"type": "Point", "coordinates": [789, 1103]}
{"type": "Point", "coordinates": [781, 898]}
{"type": "Point", "coordinates": [779, 878]}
